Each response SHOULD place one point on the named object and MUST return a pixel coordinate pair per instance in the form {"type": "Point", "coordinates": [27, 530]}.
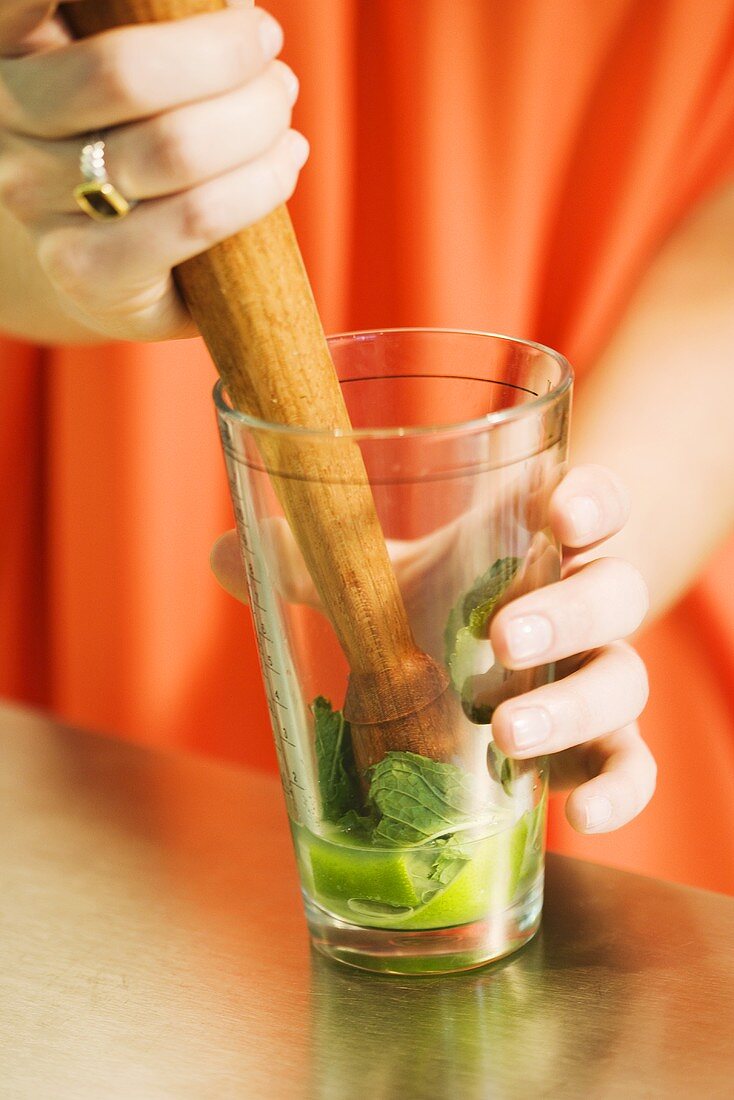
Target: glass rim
{"type": "Point", "coordinates": [482, 423]}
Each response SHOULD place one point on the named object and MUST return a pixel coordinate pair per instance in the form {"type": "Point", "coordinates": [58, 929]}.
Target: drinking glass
{"type": "Point", "coordinates": [412, 865]}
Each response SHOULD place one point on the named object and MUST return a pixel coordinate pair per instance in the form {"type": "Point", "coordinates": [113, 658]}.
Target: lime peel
{"type": "Point", "coordinates": [350, 881]}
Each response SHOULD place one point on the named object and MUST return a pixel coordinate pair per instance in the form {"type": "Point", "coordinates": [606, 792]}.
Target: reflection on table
{"type": "Point", "coordinates": [154, 946]}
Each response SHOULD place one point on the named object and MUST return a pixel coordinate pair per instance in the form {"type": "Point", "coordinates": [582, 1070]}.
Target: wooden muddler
{"type": "Point", "coordinates": [252, 302]}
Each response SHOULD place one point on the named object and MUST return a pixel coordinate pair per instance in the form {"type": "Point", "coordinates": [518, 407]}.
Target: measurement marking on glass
{"type": "Point", "coordinates": [286, 706]}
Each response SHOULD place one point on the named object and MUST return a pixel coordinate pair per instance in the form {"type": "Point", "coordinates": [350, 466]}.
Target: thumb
{"type": "Point", "coordinates": [289, 573]}
{"type": "Point", "coordinates": [226, 565]}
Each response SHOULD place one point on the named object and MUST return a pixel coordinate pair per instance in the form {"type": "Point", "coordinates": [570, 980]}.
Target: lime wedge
{"type": "Point", "coordinates": [385, 889]}
{"type": "Point", "coordinates": [485, 882]}
{"type": "Point", "coordinates": [342, 874]}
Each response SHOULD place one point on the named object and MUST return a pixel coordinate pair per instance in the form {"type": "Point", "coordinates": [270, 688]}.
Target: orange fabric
{"type": "Point", "coordinates": [505, 166]}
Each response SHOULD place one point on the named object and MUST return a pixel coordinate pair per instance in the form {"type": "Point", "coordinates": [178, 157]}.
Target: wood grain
{"type": "Point", "coordinates": [251, 298]}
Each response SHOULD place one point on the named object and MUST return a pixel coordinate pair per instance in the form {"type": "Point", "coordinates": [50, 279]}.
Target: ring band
{"type": "Point", "coordinates": [96, 196]}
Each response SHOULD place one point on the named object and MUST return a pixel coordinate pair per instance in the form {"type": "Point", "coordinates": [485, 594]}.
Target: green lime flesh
{"type": "Point", "coordinates": [384, 888]}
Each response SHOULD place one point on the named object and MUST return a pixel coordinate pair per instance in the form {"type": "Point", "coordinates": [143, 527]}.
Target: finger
{"type": "Point", "coordinates": [94, 264]}
{"type": "Point", "coordinates": [609, 691]}
{"type": "Point", "coordinates": [605, 600]}
{"type": "Point", "coordinates": [135, 72]}
{"type": "Point", "coordinates": [227, 566]}
{"type": "Point", "coordinates": [625, 783]}
{"type": "Point", "coordinates": [27, 24]}
{"type": "Point", "coordinates": [288, 572]}
{"type": "Point", "coordinates": [188, 146]}
{"type": "Point", "coordinates": [589, 505]}
{"type": "Point", "coordinates": [161, 156]}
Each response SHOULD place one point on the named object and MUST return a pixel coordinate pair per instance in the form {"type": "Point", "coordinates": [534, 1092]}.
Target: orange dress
{"type": "Point", "coordinates": [492, 165]}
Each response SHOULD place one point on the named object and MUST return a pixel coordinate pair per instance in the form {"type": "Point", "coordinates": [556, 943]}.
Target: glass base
{"type": "Point", "coordinates": [430, 951]}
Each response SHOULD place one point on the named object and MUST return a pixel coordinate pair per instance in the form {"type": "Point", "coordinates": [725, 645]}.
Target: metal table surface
{"type": "Point", "coordinates": [153, 946]}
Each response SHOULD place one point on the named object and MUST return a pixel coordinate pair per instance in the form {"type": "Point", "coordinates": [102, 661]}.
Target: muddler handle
{"type": "Point", "coordinates": [252, 302]}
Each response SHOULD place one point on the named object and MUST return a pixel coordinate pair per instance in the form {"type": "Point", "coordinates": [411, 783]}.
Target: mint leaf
{"type": "Point", "coordinates": [418, 799]}
{"type": "Point", "coordinates": [486, 592]}
{"type": "Point", "coordinates": [448, 861]}
{"type": "Point", "coordinates": [468, 653]}
{"type": "Point", "coordinates": [501, 768]}
{"type": "Point", "coordinates": [358, 826]}
{"type": "Point", "coordinates": [475, 607]}
{"type": "Point", "coordinates": [471, 657]}
{"type": "Point", "coordinates": [337, 772]}
{"type": "Point", "coordinates": [484, 595]}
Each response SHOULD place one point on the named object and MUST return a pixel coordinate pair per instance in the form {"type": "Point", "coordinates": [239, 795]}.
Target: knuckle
{"type": "Point", "coordinates": [283, 176]}
{"type": "Point", "coordinates": [580, 718]}
{"type": "Point", "coordinates": [578, 618]}
{"type": "Point", "coordinates": [635, 672]}
{"type": "Point", "coordinates": [283, 71]}
{"type": "Point", "coordinates": [648, 762]}
{"type": "Point", "coordinates": [201, 219]}
{"type": "Point", "coordinates": [622, 586]}
{"type": "Point", "coordinates": [283, 85]}
{"type": "Point", "coordinates": [642, 784]}
{"type": "Point", "coordinates": [278, 110]}
{"type": "Point", "coordinates": [652, 771]}
{"type": "Point", "coordinates": [245, 43]}
{"type": "Point", "coordinates": [111, 71]}
{"type": "Point", "coordinates": [67, 260]}
{"type": "Point", "coordinates": [636, 597]}
{"type": "Point", "coordinates": [648, 775]}
{"type": "Point", "coordinates": [605, 570]}
{"type": "Point", "coordinates": [175, 156]}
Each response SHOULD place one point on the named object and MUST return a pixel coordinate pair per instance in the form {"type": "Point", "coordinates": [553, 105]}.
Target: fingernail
{"type": "Point", "coordinates": [530, 726]}
{"type": "Point", "coordinates": [271, 35]}
{"type": "Point", "coordinates": [529, 636]}
{"type": "Point", "coordinates": [297, 148]}
{"type": "Point", "coordinates": [599, 810]}
{"type": "Point", "coordinates": [585, 516]}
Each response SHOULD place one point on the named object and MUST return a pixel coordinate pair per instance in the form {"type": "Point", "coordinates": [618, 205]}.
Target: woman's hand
{"type": "Point", "coordinates": [586, 719]}
{"type": "Point", "coordinates": [195, 116]}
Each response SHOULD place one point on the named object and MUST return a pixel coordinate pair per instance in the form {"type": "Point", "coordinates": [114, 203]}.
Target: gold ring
{"type": "Point", "coordinates": [96, 195]}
